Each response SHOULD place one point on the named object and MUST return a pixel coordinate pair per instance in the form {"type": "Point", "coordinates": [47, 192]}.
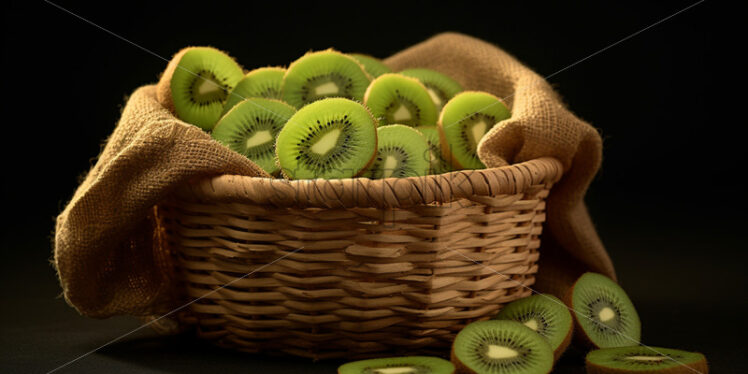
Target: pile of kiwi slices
{"type": "Point", "coordinates": [529, 335]}
{"type": "Point", "coordinates": [332, 115]}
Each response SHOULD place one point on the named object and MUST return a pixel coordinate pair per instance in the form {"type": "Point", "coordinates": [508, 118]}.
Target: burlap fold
{"type": "Point", "coordinates": [109, 263]}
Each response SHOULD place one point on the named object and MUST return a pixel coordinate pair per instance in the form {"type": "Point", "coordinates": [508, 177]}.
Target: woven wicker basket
{"type": "Point", "coordinates": [355, 268]}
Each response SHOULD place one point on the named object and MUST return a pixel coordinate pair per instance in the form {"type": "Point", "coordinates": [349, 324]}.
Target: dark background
{"type": "Point", "coordinates": [668, 201]}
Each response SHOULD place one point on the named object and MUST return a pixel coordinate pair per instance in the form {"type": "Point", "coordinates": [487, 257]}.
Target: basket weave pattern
{"type": "Point", "coordinates": [355, 268]}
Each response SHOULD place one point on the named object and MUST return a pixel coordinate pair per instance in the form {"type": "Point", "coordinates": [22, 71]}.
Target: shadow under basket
{"type": "Point", "coordinates": [355, 268]}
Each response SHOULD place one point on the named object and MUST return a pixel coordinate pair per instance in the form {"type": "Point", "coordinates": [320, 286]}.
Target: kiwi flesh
{"type": "Point", "coordinates": [196, 83]}
{"type": "Point", "coordinates": [438, 165]}
{"type": "Point", "coordinates": [640, 359]}
{"type": "Point", "coordinates": [605, 316]}
{"type": "Point", "coordinates": [372, 65]}
{"type": "Point", "coordinates": [546, 315]}
{"type": "Point", "coordinates": [441, 87]}
{"type": "Point", "coordinates": [402, 152]}
{"type": "Point", "coordinates": [250, 128]}
{"type": "Point", "coordinates": [463, 122]}
{"type": "Point", "coordinates": [501, 347]}
{"type": "Point", "coordinates": [330, 138]}
{"type": "Point", "coordinates": [399, 365]}
{"type": "Point", "coordinates": [262, 82]}
{"type": "Point", "coordinates": [397, 99]}
{"type": "Point", "coordinates": [318, 75]}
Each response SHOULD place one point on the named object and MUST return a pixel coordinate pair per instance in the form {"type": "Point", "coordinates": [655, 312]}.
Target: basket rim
{"type": "Point", "coordinates": [365, 192]}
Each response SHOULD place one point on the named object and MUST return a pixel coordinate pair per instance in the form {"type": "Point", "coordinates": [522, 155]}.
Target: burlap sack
{"type": "Point", "coordinates": [109, 263]}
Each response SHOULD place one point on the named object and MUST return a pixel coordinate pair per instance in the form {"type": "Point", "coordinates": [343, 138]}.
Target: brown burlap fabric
{"type": "Point", "coordinates": [107, 251]}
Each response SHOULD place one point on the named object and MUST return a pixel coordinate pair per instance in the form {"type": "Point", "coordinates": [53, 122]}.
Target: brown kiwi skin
{"type": "Point", "coordinates": [701, 367]}
{"type": "Point", "coordinates": [163, 88]}
{"type": "Point", "coordinates": [580, 337]}
{"type": "Point", "coordinates": [564, 344]}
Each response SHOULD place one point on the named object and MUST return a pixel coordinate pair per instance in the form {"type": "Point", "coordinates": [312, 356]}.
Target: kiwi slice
{"type": "Point", "coordinates": [604, 314]}
{"type": "Point", "coordinates": [372, 65]}
{"type": "Point", "coordinates": [545, 314]}
{"type": "Point", "coordinates": [641, 359]}
{"type": "Point", "coordinates": [399, 365]}
{"type": "Point", "coordinates": [441, 87]}
{"type": "Point", "coordinates": [250, 128]}
{"type": "Point", "coordinates": [196, 83]}
{"type": "Point", "coordinates": [438, 164]}
{"type": "Point", "coordinates": [501, 347]}
{"type": "Point", "coordinates": [327, 73]}
{"type": "Point", "coordinates": [397, 99]}
{"type": "Point", "coordinates": [330, 138]}
{"type": "Point", "coordinates": [402, 152]}
{"type": "Point", "coordinates": [464, 121]}
{"type": "Point", "coordinates": [262, 82]}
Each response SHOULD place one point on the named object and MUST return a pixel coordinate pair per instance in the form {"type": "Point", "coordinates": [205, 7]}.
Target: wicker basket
{"type": "Point", "coordinates": [355, 268]}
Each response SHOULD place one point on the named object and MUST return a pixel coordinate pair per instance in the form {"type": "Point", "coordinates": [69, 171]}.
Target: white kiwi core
{"type": "Point", "coordinates": [261, 137]}
{"type": "Point", "coordinates": [395, 370]}
{"type": "Point", "coordinates": [500, 352]}
{"type": "Point", "coordinates": [329, 88]}
{"type": "Point", "coordinates": [478, 130]}
{"type": "Point", "coordinates": [389, 166]}
{"type": "Point", "coordinates": [532, 323]}
{"type": "Point", "coordinates": [606, 314]}
{"type": "Point", "coordinates": [401, 114]}
{"type": "Point", "coordinates": [326, 143]}
{"type": "Point", "coordinates": [207, 86]}
{"type": "Point", "coordinates": [646, 358]}
{"type": "Point", "coordinates": [434, 97]}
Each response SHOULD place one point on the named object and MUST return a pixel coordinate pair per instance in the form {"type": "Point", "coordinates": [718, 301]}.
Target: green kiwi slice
{"type": "Point", "coordinates": [604, 314]}
{"type": "Point", "coordinates": [318, 75]}
{"type": "Point", "coordinates": [441, 87]}
{"type": "Point", "coordinates": [402, 152]}
{"type": "Point", "coordinates": [545, 314]}
{"type": "Point", "coordinates": [262, 82]}
{"type": "Point", "coordinates": [438, 164]}
{"type": "Point", "coordinates": [399, 365]}
{"type": "Point", "coordinates": [639, 359]}
{"type": "Point", "coordinates": [464, 121]}
{"type": "Point", "coordinates": [250, 128]}
{"type": "Point", "coordinates": [196, 83]}
{"type": "Point", "coordinates": [501, 347]}
{"type": "Point", "coordinates": [330, 138]}
{"type": "Point", "coordinates": [397, 99]}
{"type": "Point", "coordinates": [372, 65]}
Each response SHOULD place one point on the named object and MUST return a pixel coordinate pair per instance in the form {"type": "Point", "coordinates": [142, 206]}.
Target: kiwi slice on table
{"type": "Point", "coordinates": [196, 83]}
{"type": "Point", "coordinates": [501, 347]}
{"type": "Point", "coordinates": [545, 314]}
{"type": "Point", "coordinates": [250, 128]}
{"type": "Point", "coordinates": [330, 138]}
{"type": "Point", "coordinates": [439, 164]}
{"type": "Point", "coordinates": [464, 121]}
{"type": "Point", "coordinates": [399, 365]}
{"type": "Point", "coordinates": [397, 99]}
{"type": "Point", "coordinates": [604, 314]}
{"type": "Point", "coordinates": [402, 151]}
{"type": "Point", "coordinates": [318, 75]}
{"type": "Point", "coordinates": [441, 88]}
{"type": "Point", "coordinates": [639, 359]}
{"type": "Point", "coordinates": [262, 82]}
{"type": "Point", "coordinates": [372, 65]}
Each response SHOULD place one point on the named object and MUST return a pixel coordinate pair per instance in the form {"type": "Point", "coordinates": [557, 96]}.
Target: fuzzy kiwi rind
{"type": "Point", "coordinates": [195, 84]}
{"type": "Point", "coordinates": [595, 296]}
{"type": "Point", "coordinates": [463, 122]}
{"type": "Point", "coordinates": [397, 99]}
{"type": "Point", "coordinates": [441, 87]}
{"type": "Point", "coordinates": [402, 152]}
{"type": "Point", "coordinates": [331, 138]}
{"type": "Point", "coordinates": [416, 364]}
{"type": "Point", "coordinates": [322, 74]}
{"type": "Point", "coordinates": [261, 82]}
{"type": "Point", "coordinates": [374, 66]}
{"type": "Point", "coordinates": [251, 128]}
{"type": "Point", "coordinates": [439, 165]}
{"type": "Point", "coordinates": [524, 351]}
{"type": "Point", "coordinates": [640, 359]}
{"type": "Point", "coordinates": [547, 315]}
